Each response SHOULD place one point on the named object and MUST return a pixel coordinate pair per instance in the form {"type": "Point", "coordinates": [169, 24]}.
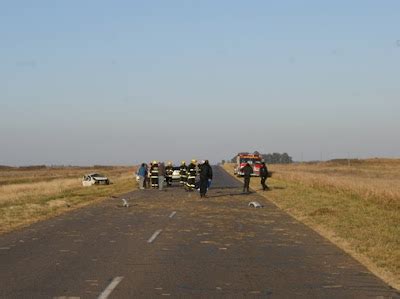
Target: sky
{"type": "Point", "coordinates": [121, 82]}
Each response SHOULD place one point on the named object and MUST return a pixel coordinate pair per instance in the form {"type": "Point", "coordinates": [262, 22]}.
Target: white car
{"type": "Point", "coordinates": [176, 174]}
{"type": "Point", "coordinates": [95, 179]}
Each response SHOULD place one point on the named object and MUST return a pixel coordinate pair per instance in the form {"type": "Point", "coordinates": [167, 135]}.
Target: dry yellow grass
{"type": "Point", "coordinates": [356, 206]}
{"type": "Point", "coordinates": [30, 195]}
{"type": "Point", "coordinates": [16, 193]}
{"type": "Point", "coordinates": [376, 179]}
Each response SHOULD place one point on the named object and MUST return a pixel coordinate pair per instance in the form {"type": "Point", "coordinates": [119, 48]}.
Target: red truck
{"type": "Point", "coordinates": [253, 159]}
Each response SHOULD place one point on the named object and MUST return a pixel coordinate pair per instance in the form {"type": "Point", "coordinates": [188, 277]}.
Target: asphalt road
{"type": "Point", "coordinates": [172, 243]}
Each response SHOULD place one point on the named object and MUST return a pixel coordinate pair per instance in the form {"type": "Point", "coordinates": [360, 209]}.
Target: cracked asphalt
{"type": "Point", "coordinates": [171, 243]}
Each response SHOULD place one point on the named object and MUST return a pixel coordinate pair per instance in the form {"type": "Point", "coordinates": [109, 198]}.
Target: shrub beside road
{"type": "Point", "coordinates": [356, 206]}
{"type": "Point", "coordinates": [29, 195]}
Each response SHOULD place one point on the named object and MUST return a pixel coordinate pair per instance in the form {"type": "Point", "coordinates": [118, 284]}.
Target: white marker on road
{"type": "Point", "coordinates": [154, 236]}
{"type": "Point", "coordinates": [172, 214]}
{"type": "Point", "coordinates": [108, 290]}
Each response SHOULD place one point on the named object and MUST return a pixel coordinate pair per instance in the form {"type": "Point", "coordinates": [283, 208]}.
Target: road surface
{"type": "Point", "coordinates": [171, 243]}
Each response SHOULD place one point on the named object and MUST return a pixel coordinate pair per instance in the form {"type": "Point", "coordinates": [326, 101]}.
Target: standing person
{"type": "Point", "coordinates": [154, 174]}
{"type": "Point", "coordinates": [210, 180]}
{"type": "Point", "coordinates": [142, 173]}
{"type": "Point", "coordinates": [205, 177]}
{"type": "Point", "coordinates": [247, 172]}
{"type": "Point", "coordinates": [191, 178]}
{"type": "Point", "coordinates": [264, 176]}
{"type": "Point", "coordinates": [146, 182]}
{"type": "Point", "coordinates": [183, 173]}
{"type": "Point", "coordinates": [161, 175]}
{"type": "Point", "coordinates": [169, 170]}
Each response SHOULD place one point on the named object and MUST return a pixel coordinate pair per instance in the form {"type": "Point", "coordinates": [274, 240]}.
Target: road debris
{"type": "Point", "coordinates": [255, 204]}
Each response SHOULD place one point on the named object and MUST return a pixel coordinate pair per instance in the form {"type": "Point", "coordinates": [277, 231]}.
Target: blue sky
{"type": "Point", "coordinates": [120, 82]}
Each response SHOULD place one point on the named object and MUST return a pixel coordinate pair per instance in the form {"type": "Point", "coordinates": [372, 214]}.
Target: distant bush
{"type": "Point", "coordinates": [32, 167]}
{"type": "Point", "coordinates": [4, 167]}
{"type": "Point", "coordinates": [277, 158]}
{"type": "Point", "coordinates": [104, 166]}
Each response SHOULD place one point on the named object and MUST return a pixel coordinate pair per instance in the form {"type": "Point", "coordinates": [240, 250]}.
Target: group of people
{"type": "Point", "coordinates": [248, 171]}
{"type": "Point", "coordinates": [158, 174]}
{"type": "Point", "coordinates": [153, 176]}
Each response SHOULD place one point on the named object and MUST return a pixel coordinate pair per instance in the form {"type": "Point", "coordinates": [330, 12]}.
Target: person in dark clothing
{"type": "Point", "coordinates": [146, 183]}
{"type": "Point", "coordinates": [191, 176]}
{"type": "Point", "coordinates": [154, 174]}
{"type": "Point", "coordinates": [205, 177]}
{"type": "Point", "coordinates": [247, 172]}
{"type": "Point", "coordinates": [264, 176]}
{"type": "Point", "coordinates": [169, 170]}
{"type": "Point", "coordinates": [210, 180]}
{"type": "Point", "coordinates": [183, 173]}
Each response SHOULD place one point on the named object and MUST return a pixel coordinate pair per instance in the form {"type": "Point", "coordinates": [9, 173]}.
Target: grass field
{"type": "Point", "coordinates": [30, 194]}
{"type": "Point", "coordinates": [356, 205]}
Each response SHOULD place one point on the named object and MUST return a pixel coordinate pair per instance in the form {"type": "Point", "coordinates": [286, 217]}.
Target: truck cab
{"type": "Point", "coordinates": [253, 159]}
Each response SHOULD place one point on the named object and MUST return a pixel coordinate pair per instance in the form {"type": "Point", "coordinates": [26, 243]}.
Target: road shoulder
{"type": "Point", "coordinates": [322, 229]}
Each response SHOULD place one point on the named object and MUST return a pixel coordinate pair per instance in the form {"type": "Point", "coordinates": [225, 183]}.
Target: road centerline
{"type": "Point", "coordinates": [154, 236]}
{"type": "Point", "coordinates": [108, 290]}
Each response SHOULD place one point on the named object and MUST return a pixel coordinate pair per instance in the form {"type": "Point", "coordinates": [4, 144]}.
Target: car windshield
{"type": "Point", "coordinates": [249, 160]}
